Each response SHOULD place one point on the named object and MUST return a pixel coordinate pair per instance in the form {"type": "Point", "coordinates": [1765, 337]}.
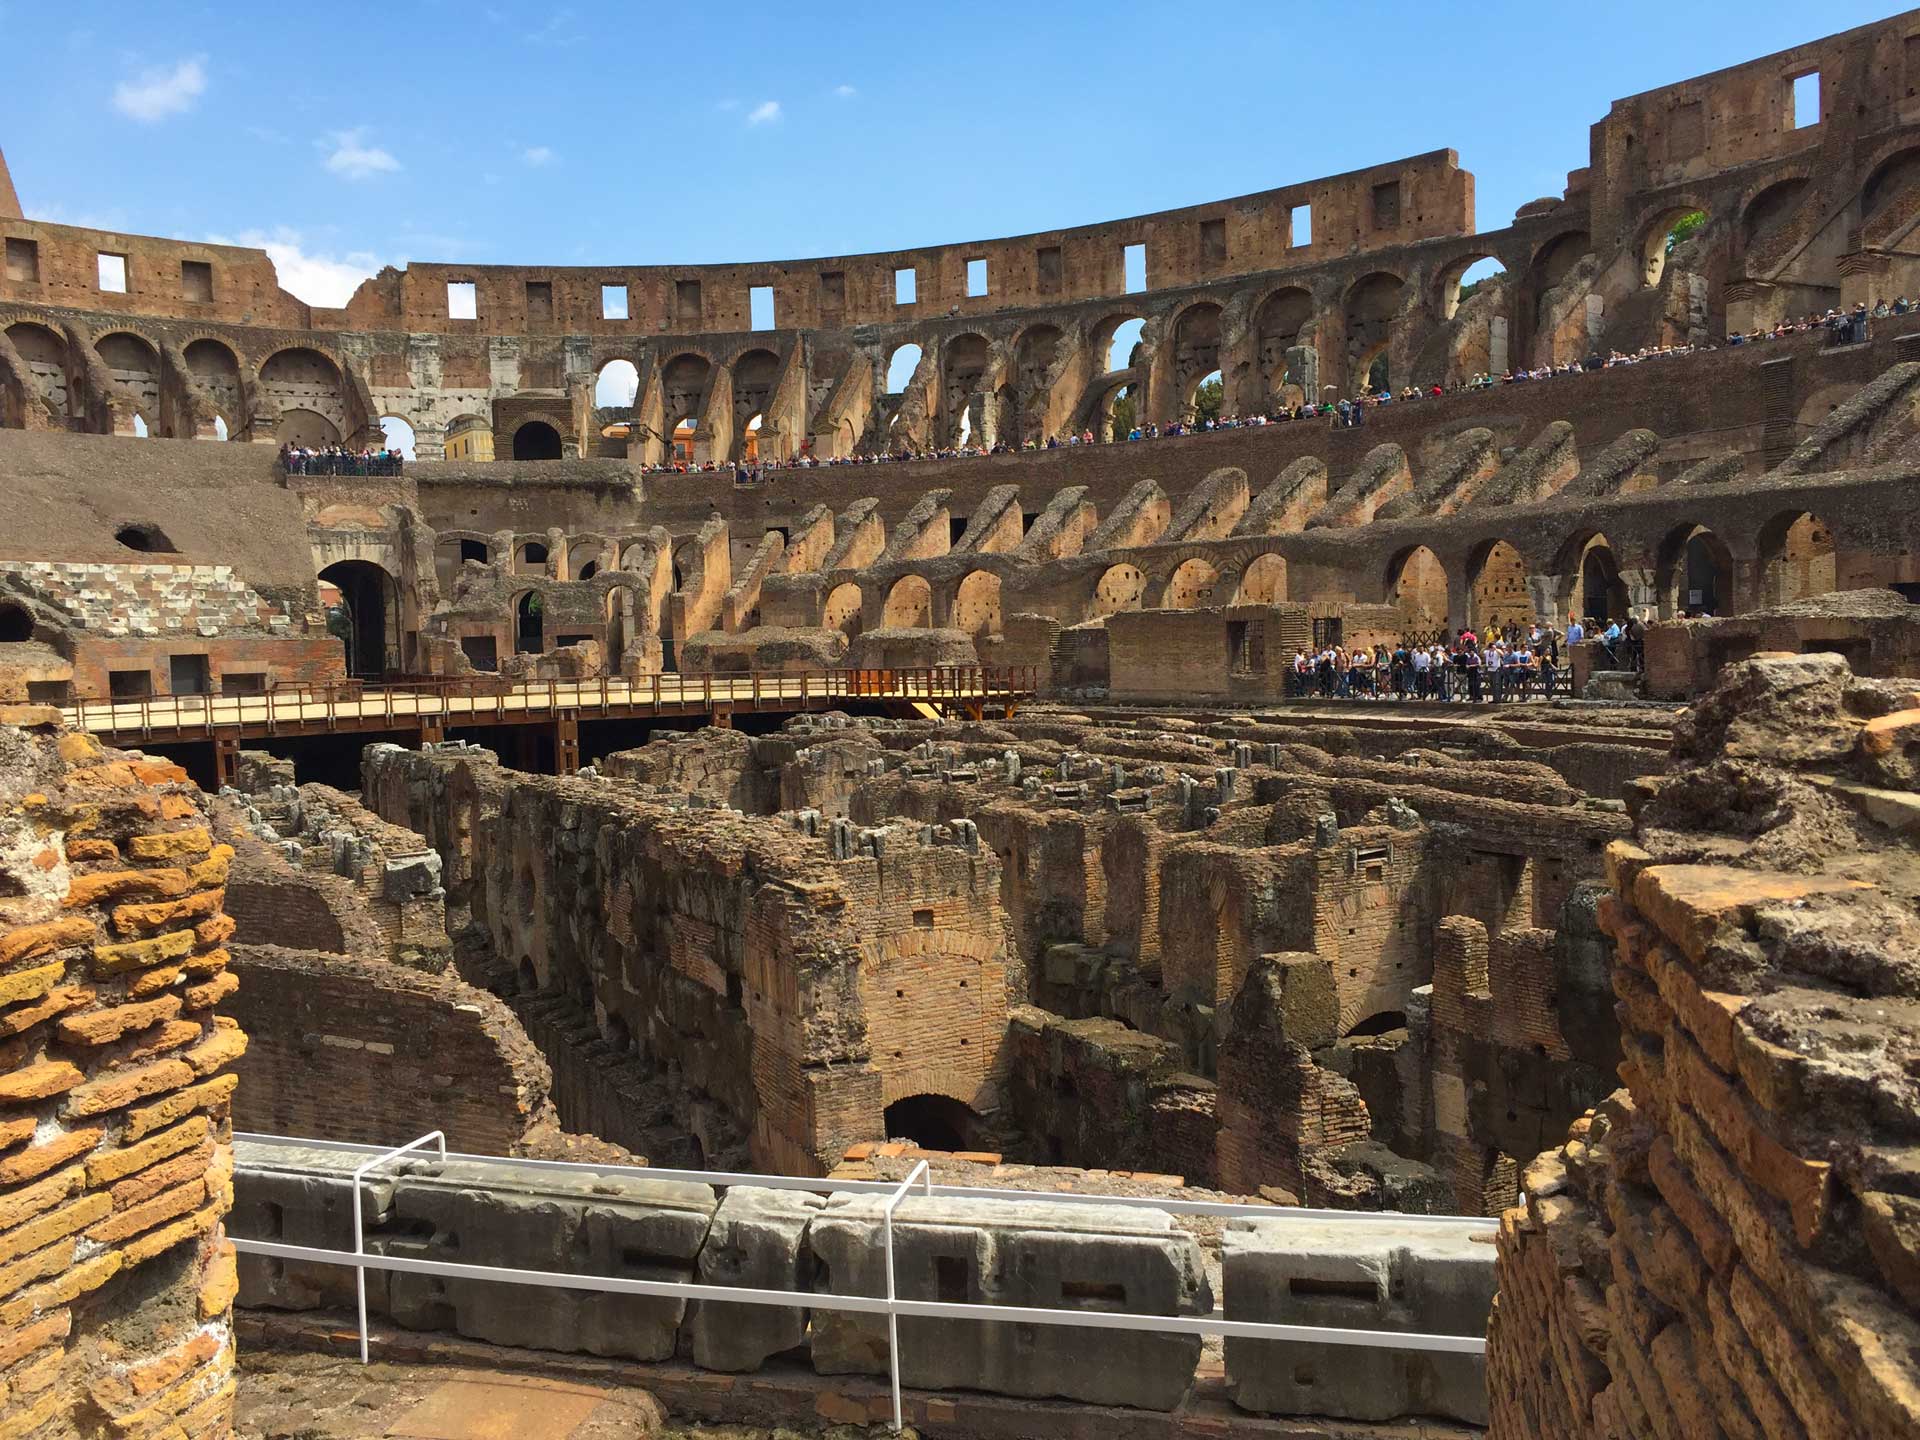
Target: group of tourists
{"type": "Point", "coordinates": [339, 460]}
{"type": "Point", "coordinates": [1509, 663]}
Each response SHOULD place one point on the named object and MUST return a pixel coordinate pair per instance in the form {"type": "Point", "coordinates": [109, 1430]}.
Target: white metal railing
{"type": "Point", "coordinates": [890, 1305]}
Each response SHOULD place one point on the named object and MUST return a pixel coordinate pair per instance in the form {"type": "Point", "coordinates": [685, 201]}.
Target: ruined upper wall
{"type": "Point", "coordinates": [9, 199]}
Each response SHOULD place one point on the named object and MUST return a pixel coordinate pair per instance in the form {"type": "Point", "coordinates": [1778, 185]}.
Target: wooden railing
{"type": "Point", "coordinates": [489, 700]}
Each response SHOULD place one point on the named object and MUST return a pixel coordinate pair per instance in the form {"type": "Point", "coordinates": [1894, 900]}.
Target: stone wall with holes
{"type": "Point", "coordinates": [1727, 1245]}
{"type": "Point", "coordinates": [116, 1078]}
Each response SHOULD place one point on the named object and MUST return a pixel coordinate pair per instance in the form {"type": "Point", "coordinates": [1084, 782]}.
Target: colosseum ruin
{"type": "Point", "coordinates": [1194, 826]}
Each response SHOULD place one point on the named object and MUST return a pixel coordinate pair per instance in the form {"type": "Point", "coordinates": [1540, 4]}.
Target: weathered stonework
{"type": "Point", "coordinates": [116, 1280]}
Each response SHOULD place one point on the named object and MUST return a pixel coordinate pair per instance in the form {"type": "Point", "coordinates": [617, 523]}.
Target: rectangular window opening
{"type": "Point", "coordinates": [463, 301]}
{"type": "Point", "coordinates": [906, 286]}
{"type": "Point", "coordinates": [129, 684]}
{"type": "Point", "coordinates": [1048, 270]}
{"type": "Point", "coordinates": [1299, 225]}
{"type": "Point", "coordinates": [196, 280]}
{"type": "Point", "coordinates": [539, 300]}
{"type": "Point", "coordinates": [686, 301]}
{"type": "Point", "coordinates": [976, 277]}
{"type": "Point", "coordinates": [613, 302]}
{"type": "Point", "coordinates": [113, 273]}
{"type": "Point", "coordinates": [833, 290]}
{"type": "Point", "coordinates": [1134, 266]}
{"type": "Point", "coordinates": [1213, 241]}
{"type": "Point", "coordinates": [760, 307]}
{"type": "Point", "coordinates": [23, 260]}
{"type": "Point", "coordinates": [1386, 205]}
{"type": "Point", "coordinates": [1806, 100]}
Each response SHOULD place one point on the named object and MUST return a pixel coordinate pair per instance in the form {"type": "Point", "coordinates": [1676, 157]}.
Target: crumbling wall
{"type": "Point", "coordinates": [116, 1280]}
{"type": "Point", "coordinates": [1727, 1245]}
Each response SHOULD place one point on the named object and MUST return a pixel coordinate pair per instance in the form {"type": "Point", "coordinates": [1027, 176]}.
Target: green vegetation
{"type": "Point", "coordinates": [1684, 227]}
{"type": "Point", "coordinates": [1206, 401]}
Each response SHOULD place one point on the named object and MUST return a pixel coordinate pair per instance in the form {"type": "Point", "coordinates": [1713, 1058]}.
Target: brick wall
{"type": "Point", "coordinates": [116, 1281]}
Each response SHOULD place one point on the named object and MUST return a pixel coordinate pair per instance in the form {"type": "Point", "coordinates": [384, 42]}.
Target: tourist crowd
{"type": "Point", "coordinates": [1839, 326]}
{"type": "Point", "coordinates": [1513, 663]}
{"type": "Point", "coordinates": [339, 460]}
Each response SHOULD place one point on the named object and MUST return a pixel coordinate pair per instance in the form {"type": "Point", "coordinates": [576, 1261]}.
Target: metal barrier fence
{"type": "Point", "coordinates": [891, 1305]}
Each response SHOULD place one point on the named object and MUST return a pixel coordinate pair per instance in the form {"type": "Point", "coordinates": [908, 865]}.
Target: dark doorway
{"type": "Point", "coordinates": [536, 440]}
{"type": "Point", "coordinates": [529, 633]}
{"type": "Point", "coordinates": [365, 617]}
{"type": "Point", "coordinates": [933, 1122]}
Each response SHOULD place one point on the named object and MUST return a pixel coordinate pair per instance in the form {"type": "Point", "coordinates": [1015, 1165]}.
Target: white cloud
{"type": "Point", "coordinates": [538, 155]}
{"type": "Point", "coordinates": [845, 92]}
{"type": "Point", "coordinates": [765, 113]}
{"type": "Point", "coordinates": [160, 92]}
{"type": "Point", "coordinates": [353, 159]}
{"type": "Point", "coordinates": [318, 279]}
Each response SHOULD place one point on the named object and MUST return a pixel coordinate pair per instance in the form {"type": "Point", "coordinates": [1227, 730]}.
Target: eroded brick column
{"type": "Point", "coordinates": [116, 1279]}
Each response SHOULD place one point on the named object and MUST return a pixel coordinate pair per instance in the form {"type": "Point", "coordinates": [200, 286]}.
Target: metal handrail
{"type": "Point", "coordinates": [891, 1305]}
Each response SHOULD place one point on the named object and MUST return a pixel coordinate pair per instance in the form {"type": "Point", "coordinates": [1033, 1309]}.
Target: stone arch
{"type": "Point", "coordinates": [932, 1122]}
{"type": "Point", "coordinates": [46, 355]}
{"type": "Point", "coordinates": [216, 370]}
{"type": "Point", "coordinates": [469, 437]}
{"type": "Point", "coordinates": [1035, 354]}
{"type": "Point", "coordinates": [529, 623]}
{"type": "Point", "coordinates": [615, 384]}
{"type": "Point", "coordinates": [1498, 596]}
{"type": "Point", "coordinates": [1417, 588]}
{"type": "Point", "coordinates": [1118, 587]}
{"type": "Point", "coordinates": [368, 616]}
{"type": "Point", "coordinates": [1371, 304]}
{"type": "Point", "coordinates": [976, 604]}
{"type": "Point", "coordinates": [306, 428]}
{"type": "Point", "coordinates": [1196, 349]}
{"type": "Point", "coordinates": [683, 384]}
{"type": "Point", "coordinates": [1797, 558]}
{"type": "Point", "coordinates": [1264, 581]}
{"type": "Point", "coordinates": [135, 367]}
{"type": "Point", "coordinates": [963, 364]}
{"type": "Point", "coordinates": [1896, 175]}
{"type": "Point", "coordinates": [619, 619]}
{"type": "Point", "coordinates": [754, 375]}
{"type": "Point", "coordinates": [583, 559]}
{"type": "Point", "coordinates": [1695, 573]}
{"type": "Point", "coordinates": [842, 610]}
{"type": "Point", "coordinates": [530, 557]}
{"type": "Point", "coordinates": [300, 378]}
{"type": "Point", "coordinates": [536, 440]}
{"type": "Point", "coordinates": [902, 361]}
{"type": "Point", "coordinates": [1588, 583]}
{"type": "Point", "coordinates": [1277, 326]}
{"type": "Point", "coordinates": [1118, 337]}
{"type": "Point", "coordinates": [1655, 237]}
{"type": "Point", "coordinates": [1453, 275]}
{"type": "Point", "coordinates": [398, 435]}
{"type": "Point", "coordinates": [1191, 585]}
{"type": "Point", "coordinates": [909, 604]}
{"type": "Point", "coordinates": [1771, 208]}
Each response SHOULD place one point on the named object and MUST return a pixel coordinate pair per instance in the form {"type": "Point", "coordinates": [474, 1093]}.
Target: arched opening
{"type": "Point", "coordinates": [1555, 260]}
{"type": "Point", "coordinates": [1695, 574]}
{"type": "Point", "coordinates": [1207, 399]}
{"type": "Point", "coordinates": [46, 357]}
{"type": "Point", "coordinates": [1120, 340]}
{"type": "Point", "coordinates": [529, 624]}
{"type": "Point", "coordinates": [1797, 558]}
{"type": "Point", "coordinates": [220, 431]}
{"type": "Point", "coordinates": [1119, 414]}
{"type": "Point", "coordinates": [306, 429]}
{"type": "Point", "coordinates": [365, 614]}
{"type": "Point", "coordinates": [683, 384]}
{"type": "Point", "coordinates": [1282, 316]}
{"type": "Point", "coordinates": [530, 558]}
{"type": "Point", "coordinates": [305, 382]}
{"type": "Point", "coordinates": [1264, 581]}
{"type": "Point", "coordinates": [469, 437]}
{"type": "Point", "coordinates": [16, 624]}
{"type": "Point", "coordinates": [1464, 279]}
{"type": "Point", "coordinates": [842, 611]}
{"type": "Point", "coordinates": [583, 559]}
{"type": "Point", "coordinates": [1034, 359]}
{"type": "Point", "coordinates": [963, 364]}
{"type": "Point", "coordinates": [900, 367]}
{"type": "Point", "coordinates": [1120, 587]}
{"type": "Point", "coordinates": [754, 374]}
{"type": "Point", "coordinates": [528, 977]}
{"type": "Point", "coordinates": [1383, 1023]}
{"type": "Point", "coordinates": [140, 431]}
{"type": "Point", "coordinates": [1663, 235]}
{"type": "Point", "coordinates": [619, 616]}
{"type": "Point", "coordinates": [216, 371]}
{"type": "Point", "coordinates": [146, 538]}
{"type": "Point", "coordinates": [1190, 586]}
{"type": "Point", "coordinates": [1196, 351]}
{"type": "Point", "coordinates": [399, 435]}
{"type": "Point", "coordinates": [976, 605]}
{"type": "Point", "coordinates": [1591, 589]}
{"type": "Point", "coordinates": [1371, 305]}
{"type": "Point", "coordinates": [909, 604]}
{"type": "Point", "coordinates": [1417, 588]}
{"type": "Point", "coordinates": [135, 368]}
{"type": "Point", "coordinates": [536, 440]}
{"type": "Point", "coordinates": [1498, 598]}
{"type": "Point", "coordinates": [1890, 179]}
{"type": "Point", "coordinates": [933, 1122]}
{"type": "Point", "coordinates": [1770, 209]}
{"type": "Point", "coordinates": [616, 385]}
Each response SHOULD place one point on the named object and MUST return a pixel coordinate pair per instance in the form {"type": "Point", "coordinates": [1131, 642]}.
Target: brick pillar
{"type": "Point", "coordinates": [115, 1146]}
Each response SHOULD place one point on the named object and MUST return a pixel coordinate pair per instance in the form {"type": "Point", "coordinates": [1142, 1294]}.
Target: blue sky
{"type": "Point", "coordinates": [351, 135]}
